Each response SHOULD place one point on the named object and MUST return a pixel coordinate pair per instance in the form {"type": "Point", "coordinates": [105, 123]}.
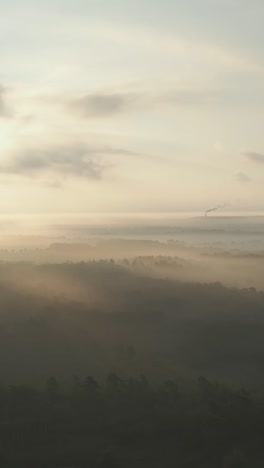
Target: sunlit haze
{"type": "Point", "coordinates": [121, 106]}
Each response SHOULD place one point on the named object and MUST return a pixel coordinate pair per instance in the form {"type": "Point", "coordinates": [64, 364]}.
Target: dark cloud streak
{"type": "Point", "coordinates": [100, 105]}
{"type": "Point", "coordinates": [254, 157]}
{"type": "Point", "coordinates": [107, 104]}
{"type": "Point", "coordinates": [72, 160]}
{"type": "Point", "coordinates": [242, 177]}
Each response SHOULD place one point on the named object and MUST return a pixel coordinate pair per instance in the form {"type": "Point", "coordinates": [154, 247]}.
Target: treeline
{"type": "Point", "coordinates": [125, 423]}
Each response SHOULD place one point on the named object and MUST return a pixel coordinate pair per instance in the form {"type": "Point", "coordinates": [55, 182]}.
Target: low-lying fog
{"type": "Point", "coordinates": [228, 249]}
{"type": "Point", "coordinates": [175, 296]}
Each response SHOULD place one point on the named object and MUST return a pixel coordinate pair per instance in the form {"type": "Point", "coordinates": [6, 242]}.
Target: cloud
{"type": "Point", "coordinates": [254, 157]}
{"type": "Point", "coordinates": [55, 162]}
{"type": "Point", "coordinates": [104, 104]}
{"type": "Point", "coordinates": [74, 160]}
{"type": "Point", "coordinates": [100, 105]}
{"type": "Point", "coordinates": [242, 177]}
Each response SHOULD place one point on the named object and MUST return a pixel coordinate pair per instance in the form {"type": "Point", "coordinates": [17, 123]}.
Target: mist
{"type": "Point", "coordinates": [99, 317]}
{"type": "Point", "coordinates": [185, 294]}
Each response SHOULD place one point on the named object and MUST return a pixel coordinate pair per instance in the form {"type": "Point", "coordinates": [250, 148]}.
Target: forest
{"type": "Point", "coordinates": [111, 364]}
{"type": "Point", "coordinates": [100, 316]}
{"type": "Point", "coordinates": [129, 422]}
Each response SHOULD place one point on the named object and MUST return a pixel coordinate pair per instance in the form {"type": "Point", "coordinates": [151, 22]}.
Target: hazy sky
{"type": "Point", "coordinates": [121, 105]}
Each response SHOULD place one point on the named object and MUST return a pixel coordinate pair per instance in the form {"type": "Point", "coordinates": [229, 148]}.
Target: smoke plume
{"type": "Point", "coordinates": [217, 207]}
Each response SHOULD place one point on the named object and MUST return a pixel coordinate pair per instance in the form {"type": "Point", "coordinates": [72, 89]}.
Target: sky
{"type": "Point", "coordinates": [130, 106]}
